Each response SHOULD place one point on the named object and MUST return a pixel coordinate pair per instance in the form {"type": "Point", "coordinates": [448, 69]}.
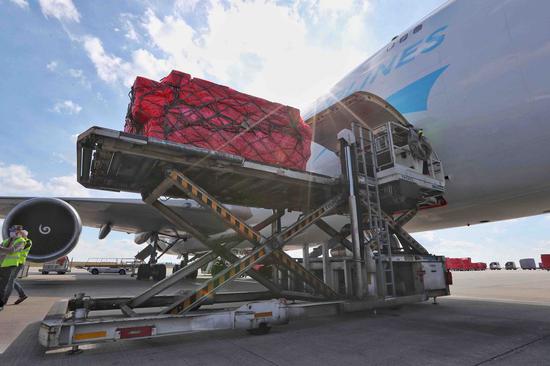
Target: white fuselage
{"type": "Point", "coordinates": [487, 113]}
{"type": "Point", "coordinates": [473, 75]}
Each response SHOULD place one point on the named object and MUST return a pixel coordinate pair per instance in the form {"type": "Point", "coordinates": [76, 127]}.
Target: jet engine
{"type": "Point", "coordinates": [53, 225]}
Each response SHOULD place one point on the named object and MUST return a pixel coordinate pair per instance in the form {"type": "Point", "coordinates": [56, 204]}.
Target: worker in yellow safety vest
{"type": "Point", "coordinates": [13, 254]}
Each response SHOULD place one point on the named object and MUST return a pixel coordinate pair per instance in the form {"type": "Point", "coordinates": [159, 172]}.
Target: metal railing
{"type": "Point", "coordinates": [392, 148]}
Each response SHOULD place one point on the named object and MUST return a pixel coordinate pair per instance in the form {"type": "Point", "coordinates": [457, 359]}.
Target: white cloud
{"type": "Point", "coordinates": [259, 47]}
{"type": "Point", "coordinates": [425, 235]}
{"type": "Point", "coordinates": [52, 66]}
{"type": "Point", "coordinates": [23, 4]}
{"type": "Point", "coordinates": [65, 186]}
{"type": "Point", "coordinates": [17, 179]}
{"type": "Point", "coordinates": [128, 26]}
{"type": "Point", "coordinates": [60, 9]}
{"type": "Point", "coordinates": [109, 68]}
{"type": "Point", "coordinates": [185, 6]}
{"type": "Point", "coordinates": [65, 158]}
{"type": "Point", "coordinates": [66, 107]}
{"type": "Point", "coordinates": [79, 75]}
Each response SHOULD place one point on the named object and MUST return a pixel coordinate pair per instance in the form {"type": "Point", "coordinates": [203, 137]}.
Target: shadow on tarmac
{"type": "Point", "coordinates": [455, 332]}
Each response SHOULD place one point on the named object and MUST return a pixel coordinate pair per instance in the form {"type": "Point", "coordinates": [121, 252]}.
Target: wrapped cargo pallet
{"type": "Point", "coordinates": [197, 112]}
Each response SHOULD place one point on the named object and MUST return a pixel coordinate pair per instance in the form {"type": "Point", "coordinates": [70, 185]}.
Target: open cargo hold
{"type": "Point", "coordinates": [197, 112]}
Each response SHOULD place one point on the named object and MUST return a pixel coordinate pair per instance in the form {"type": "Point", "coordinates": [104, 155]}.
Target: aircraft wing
{"type": "Point", "coordinates": [130, 215]}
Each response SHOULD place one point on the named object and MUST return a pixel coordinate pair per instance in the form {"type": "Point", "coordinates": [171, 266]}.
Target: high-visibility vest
{"type": "Point", "coordinates": [12, 259]}
{"type": "Point", "coordinates": [23, 253]}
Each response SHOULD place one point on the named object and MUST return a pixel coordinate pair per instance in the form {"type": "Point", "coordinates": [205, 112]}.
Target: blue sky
{"type": "Point", "coordinates": [67, 65]}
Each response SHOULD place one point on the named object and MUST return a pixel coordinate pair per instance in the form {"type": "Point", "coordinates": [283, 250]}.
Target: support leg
{"type": "Point", "coordinates": [327, 268]}
{"type": "Point", "coordinates": [305, 256]}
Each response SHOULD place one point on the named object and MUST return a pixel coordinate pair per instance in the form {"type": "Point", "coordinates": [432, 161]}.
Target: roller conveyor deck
{"type": "Point", "coordinates": [117, 161]}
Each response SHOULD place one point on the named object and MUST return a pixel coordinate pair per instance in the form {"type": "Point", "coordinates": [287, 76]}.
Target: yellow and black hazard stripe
{"type": "Point", "coordinates": [206, 289]}
{"type": "Point", "coordinates": [311, 218]}
{"type": "Point", "coordinates": [306, 275]}
{"type": "Point", "coordinates": [203, 198]}
{"type": "Point", "coordinates": [308, 220]}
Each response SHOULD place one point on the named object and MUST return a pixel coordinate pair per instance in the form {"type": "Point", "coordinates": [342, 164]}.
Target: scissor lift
{"type": "Point", "coordinates": [117, 161]}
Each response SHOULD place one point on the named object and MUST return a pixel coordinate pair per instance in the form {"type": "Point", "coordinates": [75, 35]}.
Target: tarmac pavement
{"type": "Point", "coordinates": [493, 318]}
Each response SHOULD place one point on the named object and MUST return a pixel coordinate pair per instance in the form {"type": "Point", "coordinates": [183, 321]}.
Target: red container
{"type": "Point", "coordinates": [479, 266]}
{"type": "Point", "coordinates": [197, 112]}
{"type": "Point", "coordinates": [467, 264]}
{"type": "Point", "coordinates": [464, 264]}
{"type": "Point", "coordinates": [545, 261]}
{"type": "Point", "coordinates": [455, 264]}
{"type": "Point", "coordinates": [452, 264]}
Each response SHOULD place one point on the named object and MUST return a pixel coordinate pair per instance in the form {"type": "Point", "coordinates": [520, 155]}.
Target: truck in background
{"type": "Point", "coordinates": [60, 265]}
{"type": "Point", "coordinates": [527, 263]}
{"type": "Point", "coordinates": [510, 266]}
{"type": "Point", "coordinates": [495, 266]}
{"type": "Point", "coordinates": [545, 261]}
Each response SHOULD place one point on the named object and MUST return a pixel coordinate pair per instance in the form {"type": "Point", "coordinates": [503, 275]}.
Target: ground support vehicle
{"type": "Point", "coordinates": [527, 263]}
{"type": "Point", "coordinates": [510, 266]}
{"type": "Point", "coordinates": [121, 266]}
{"type": "Point", "coordinates": [545, 261]}
{"type": "Point", "coordinates": [60, 266]}
{"type": "Point", "coordinates": [495, 266]}
{"type": "Point", "coordinates": [381, 265]}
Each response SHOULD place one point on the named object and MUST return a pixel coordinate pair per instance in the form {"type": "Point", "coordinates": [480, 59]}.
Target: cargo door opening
{"type": "Point", "coordinates": [409, 173]}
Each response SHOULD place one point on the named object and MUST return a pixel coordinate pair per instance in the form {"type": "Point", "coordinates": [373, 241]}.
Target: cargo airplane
{"type": "Point", "coordinates": [471, 75]}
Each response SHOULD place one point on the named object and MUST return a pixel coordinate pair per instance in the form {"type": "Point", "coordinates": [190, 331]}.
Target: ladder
{"type": "Point", "coordinates": [365, 152]}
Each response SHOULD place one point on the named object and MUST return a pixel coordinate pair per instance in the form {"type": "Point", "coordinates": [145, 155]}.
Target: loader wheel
{"type": "Point", "coordinates": [158, 272]}
{"type": "Point", "coordinates": [143, 272]}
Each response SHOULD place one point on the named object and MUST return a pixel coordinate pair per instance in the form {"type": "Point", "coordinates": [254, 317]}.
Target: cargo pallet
{"type": "Point", "coordinates": [381, 266]}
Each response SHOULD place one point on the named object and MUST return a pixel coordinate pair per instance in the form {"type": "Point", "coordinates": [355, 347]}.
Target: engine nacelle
{"type": "Point", "coordinates": [54, 227]}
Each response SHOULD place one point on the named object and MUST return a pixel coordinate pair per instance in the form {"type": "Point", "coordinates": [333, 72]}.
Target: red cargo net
{"type": "Point", "coordinates": [197, 112]}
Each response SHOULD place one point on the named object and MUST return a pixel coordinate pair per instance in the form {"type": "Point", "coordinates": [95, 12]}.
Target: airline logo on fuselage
{"type": "Point", "coordinates": [406, 56]}
{"type": "Point", "coordinates": [366, 74]}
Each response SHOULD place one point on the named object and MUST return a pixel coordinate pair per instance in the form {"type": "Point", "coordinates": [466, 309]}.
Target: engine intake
{"type": "Point", "coordinates": [54, 227]}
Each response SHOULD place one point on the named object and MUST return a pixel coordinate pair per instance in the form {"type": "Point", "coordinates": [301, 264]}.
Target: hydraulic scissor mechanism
{"type": "Point", "coordinates": [263, 247]}
{"type": "Point", "coordinates": [388, 174]}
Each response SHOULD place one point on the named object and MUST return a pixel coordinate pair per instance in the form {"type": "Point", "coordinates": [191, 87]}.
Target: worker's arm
{"type": "Point", "coordinates": [8, 250]}
{"type": "Point", "coordinates": [11, 248]}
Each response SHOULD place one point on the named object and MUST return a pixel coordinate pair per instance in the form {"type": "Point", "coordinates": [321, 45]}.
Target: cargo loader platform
{"type": "Point", "coordinates": [117, 161]}
{"type": "Point", "coordinates": [375, 262]}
